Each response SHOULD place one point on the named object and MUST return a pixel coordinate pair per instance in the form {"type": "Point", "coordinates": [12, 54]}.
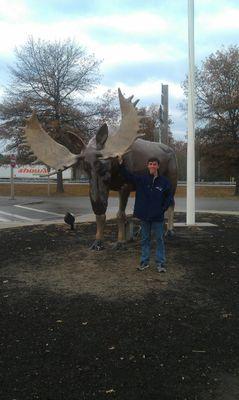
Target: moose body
{"type": "Point", "coordinates": [99, 159]}
{"type": "Point", "coordinates": [104, 175]}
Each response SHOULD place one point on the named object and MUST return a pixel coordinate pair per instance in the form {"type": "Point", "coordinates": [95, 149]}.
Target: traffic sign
{"type": "Point", "coordinates": [13, 160]}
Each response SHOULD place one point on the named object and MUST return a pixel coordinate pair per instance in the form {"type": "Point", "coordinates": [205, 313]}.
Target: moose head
{"type": "Point", "coordinates": [58, 157]}
{"type": "Point", "coordinates": [96, 157]}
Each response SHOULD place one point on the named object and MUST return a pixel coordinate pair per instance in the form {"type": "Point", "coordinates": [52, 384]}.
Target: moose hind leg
{"type": "Point", "coordinates": [172, 175]}
{"type": "Point", "coordinates": [170, 215]}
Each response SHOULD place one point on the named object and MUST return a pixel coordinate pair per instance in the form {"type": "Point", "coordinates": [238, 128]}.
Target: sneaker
{"type": "Point", "coordinates": [161, 268]}
{"type": "Point", "coordinates": [142, 266]}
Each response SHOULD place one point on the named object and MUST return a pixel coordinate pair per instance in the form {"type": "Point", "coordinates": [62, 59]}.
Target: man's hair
{"type": "Point", "coordinates": [152, 159]}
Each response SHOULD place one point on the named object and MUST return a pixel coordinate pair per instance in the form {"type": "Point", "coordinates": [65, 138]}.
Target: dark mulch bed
{"type": "Point", "coordinates": [76, 324]}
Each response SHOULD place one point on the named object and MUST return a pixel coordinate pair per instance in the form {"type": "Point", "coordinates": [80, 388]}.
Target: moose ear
{"type": "Point", "coordinates": [101, 136]}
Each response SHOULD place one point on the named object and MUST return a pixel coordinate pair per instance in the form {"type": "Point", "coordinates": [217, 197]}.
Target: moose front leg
{"type": "Point", "coordinates": [121, 218]}
{"type": "Point", "coordinates": [100, 224]}
{"type": "Point", "coordinates": [99, 201]}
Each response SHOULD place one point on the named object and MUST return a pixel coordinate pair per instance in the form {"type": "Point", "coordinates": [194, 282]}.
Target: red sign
{"type": "Point", "coordinates": [13, 160]}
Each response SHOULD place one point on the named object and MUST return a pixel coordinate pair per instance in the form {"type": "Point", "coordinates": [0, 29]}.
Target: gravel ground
{"type": "Point", "coordinates": [78, 324]}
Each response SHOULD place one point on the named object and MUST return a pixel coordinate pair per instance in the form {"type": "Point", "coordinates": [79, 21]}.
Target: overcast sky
{"type": "Point", "coordinates": [142, 43]}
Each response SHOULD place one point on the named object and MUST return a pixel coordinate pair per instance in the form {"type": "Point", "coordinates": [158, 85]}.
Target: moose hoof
{"type": "Point", "coordinates": [119, 246]}
{"type": "Point", "coordinates": [97, 245]}
{"type": "Point", "coordinates": [170, 234]}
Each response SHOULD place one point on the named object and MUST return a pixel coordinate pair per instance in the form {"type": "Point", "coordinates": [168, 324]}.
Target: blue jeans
{"type": "Point", "coordinates": [158, 229]}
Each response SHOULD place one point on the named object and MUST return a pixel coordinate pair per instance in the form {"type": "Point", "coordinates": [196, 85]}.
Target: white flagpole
{"type": "Point", "coordinates": [191, 120]}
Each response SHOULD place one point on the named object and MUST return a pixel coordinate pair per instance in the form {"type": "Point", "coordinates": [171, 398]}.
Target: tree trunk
{"type": "Point", "coordinates": [59, 187]}
{"type": "Point", "coordinates": [237, 186]}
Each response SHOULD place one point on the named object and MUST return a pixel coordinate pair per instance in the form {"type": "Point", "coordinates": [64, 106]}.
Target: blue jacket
{"type": "Point", "coordinates": [153, 195]}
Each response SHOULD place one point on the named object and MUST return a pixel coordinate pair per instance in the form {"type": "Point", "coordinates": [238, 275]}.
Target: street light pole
{"type": "Point", "coordinates": [191, 120]}
{"type": "Point", "coordinates": [164, 124]}
{"type": "Point", "coordinates": [13, 165]}
{"type": "Point", "coordinates": [12, 183]}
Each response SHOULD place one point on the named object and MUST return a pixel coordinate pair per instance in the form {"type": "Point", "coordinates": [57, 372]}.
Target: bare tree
{"type": "Point", "coordinates": [217, 111]}
{"type": "Point", "coordinates": [50, 77]}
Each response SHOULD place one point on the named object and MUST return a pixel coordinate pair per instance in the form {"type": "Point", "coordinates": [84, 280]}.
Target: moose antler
{"type": "Point", "coordinates": [121, 141]}
{"type": "Point", "coordinates": [47, 149]}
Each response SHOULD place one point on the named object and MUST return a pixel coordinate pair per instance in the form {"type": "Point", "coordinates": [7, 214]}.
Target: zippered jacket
{"type": "Point", "coordinates": [153, 195]}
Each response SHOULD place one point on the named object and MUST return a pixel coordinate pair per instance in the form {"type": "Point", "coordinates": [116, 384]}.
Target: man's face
{"type": "Point", "coordinates": [153, 167]}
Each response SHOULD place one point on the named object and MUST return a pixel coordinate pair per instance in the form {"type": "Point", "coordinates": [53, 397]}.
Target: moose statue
{"type": "Point", "coordinates": [99, 159]}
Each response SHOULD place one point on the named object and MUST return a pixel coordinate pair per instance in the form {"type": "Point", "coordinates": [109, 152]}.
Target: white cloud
{"type": "Point", "coordinates": [14, 35]}
{"type": "Point", "coordinates": [151, 88]}
{"type": "Point", "coordinates": [136, 33]}
{"type": "Point", "coordinates": [79, 29]}
{"type": "Point", "coordinates": [17, 25]}
{"type": "Point", "coordinates": [134, 53]}
{"type": "Point", "coordinates": [148, 91]}
{"type": "Point", "coordinates": [143, 23]}
{"type": "Point", "coordinates": [17, 33]}
{"type": "Point", "coordinates": [14, 10]}
{"type": "Point", "coordinates": [224, 20]}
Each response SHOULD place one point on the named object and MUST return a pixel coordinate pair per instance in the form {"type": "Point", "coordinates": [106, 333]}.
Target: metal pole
{"type": "Point", "coordinates": [199, 171]}
{"type": "Point", "coordinates": [48, 186]}
{"type": "Point", "coordinates": [48, 182]}
{"type": "Point", "coordinates": [12, 183]}
{"type": "Point", "coordinates": [191, 120]}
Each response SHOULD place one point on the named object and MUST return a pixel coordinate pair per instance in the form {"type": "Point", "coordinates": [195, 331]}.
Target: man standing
{"type": "Point", "coordinates": [153, 197]}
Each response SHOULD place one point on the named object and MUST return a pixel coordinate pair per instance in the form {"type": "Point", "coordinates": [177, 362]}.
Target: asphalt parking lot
{"type": "Point", "coordinates": [35, 210]}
